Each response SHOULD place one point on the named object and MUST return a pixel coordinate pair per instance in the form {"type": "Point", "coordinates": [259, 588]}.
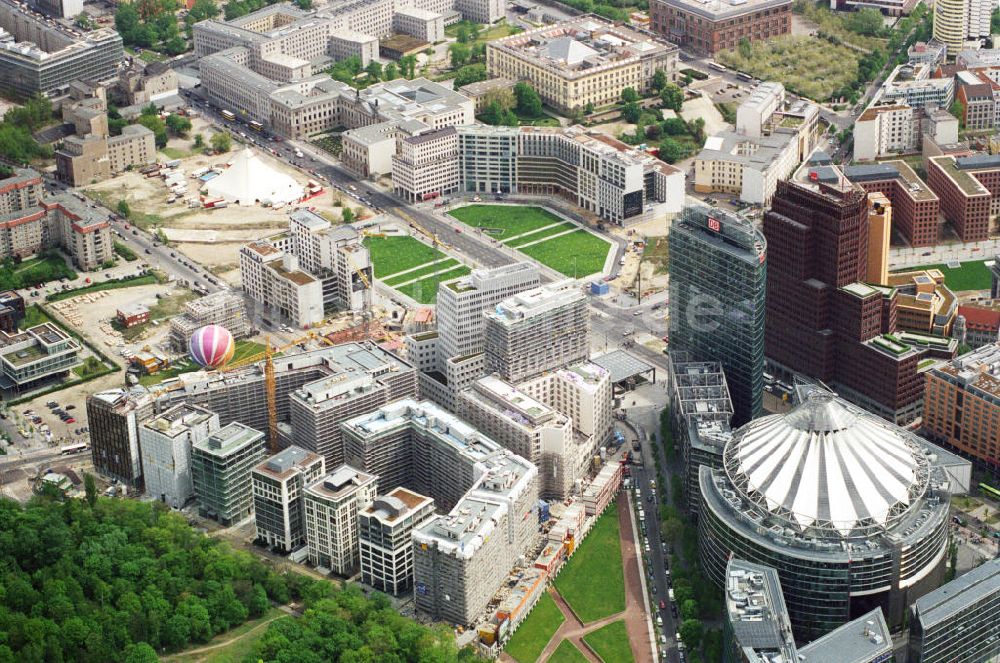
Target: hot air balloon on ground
{"type": "Point", "coordinates": [211, 346]}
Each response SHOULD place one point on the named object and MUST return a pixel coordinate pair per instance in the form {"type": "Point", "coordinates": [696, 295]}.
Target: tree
{"type": "Point", "coordinates": [696, 128]}
{"type": "Point", "coordinates": [659, 79]}
{"type": "Point", "coordinates": [304, 5]}
{"type": "Point", "coordinates": [374, 70]}
{"type": "Point", "coordinates": [672, 529]}
{"type": "Point", "coordinates": [470, 73]}
{"type": "Point", "coordinates": [689, 610]}
{"type": "Point", "coordinates": [671, 151]}
{"type": "Point", "coordinates": [141, 653]}
{"type": "Point", "coordinates": [629, 96]}
{"type": "Point", "coordinates": [866, 21]}
{"type": "Point", "coordinates": [199, 141]}
{"type": "Point", "coordinates": [123, 209]}
{"type": "Point", "coordinates": [957, 109]}
{"type": "Point", "coordinates": [346, 214]}
{"type": "Point", "coordinates": [408, 66]}
{"type": "Point", "coordinates": [691, 631]}
{"type": "Point", "coordinates": [459, 53]}
{"type": "Point", "coordinates": [672, 97]}
{"type": "Point", "coordinates": [529, 104]}
{"type": "Point", "coordinates": [390, 72]}
{"type": "Point", "coordinates": [90, 488]}
{"type": "Point", "coordinates": [157, 126]}
{"type": "Point", "coordinates": [502, 96]}
{"type": "Point", "coordinates": [631, 112]}
{"type": "Point", "coordinates": [178, 125]}
{"type": "Point", "coordinates": [202, 10]}
{"type": "Point", "coordinates": [745, 49]}
{"type": "Point", "coordinates": [221, 142]}
{"type": "Point", "coordinates": [589, 108]}
{"type": "Point", "coordinates": [675, 126]}
{"type": "Point", "coordinates": [463, 33]}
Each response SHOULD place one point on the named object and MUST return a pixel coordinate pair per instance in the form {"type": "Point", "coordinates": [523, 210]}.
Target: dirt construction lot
{"type": "Point", "coordinates": [211, 237]}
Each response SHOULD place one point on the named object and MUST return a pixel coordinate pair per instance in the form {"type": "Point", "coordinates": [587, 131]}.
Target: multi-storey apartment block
{"type": "Point", "coordinates": [425, 166]}
{"type": "Point", "coordinates": [585, 61]}
{"type": "Point", "coordinates": [35, 354]}
{"type": "Point", "coordinates": [31, 222]}
{"type": "Point", "coordinates": [39, 56]}
{"type": "Point", "coordinates": [220, 472]}
{"type": "Point", "coordinates": [331, 505]}
{"type": "Point", "coordinates": [967, 188]}
{"type": "Point", "coordinates": [165, 443]}
{"type": "Point", "coordinates": [385, 540]}
{"type": "Point", "coordinates": [593, 171]}
{"type": "Point", "coordinates": [277, 485]}
{"type": "Point", "coordinates": [114, 417]}
{"type": "Point", "coordinates": [582, 392]}
{"type": "Point", "coordinates": [959, 621]}
{"type": "Point", "coordinates": [962, 405]}
{"type": "Point", "coordinates": [712, 27]}
{"type": "Point", "coordinates": [272, 278]}
{"type": "Point", "coordinates": [225, 308]}
{"type": "Point", "coordinates": [537, 331]}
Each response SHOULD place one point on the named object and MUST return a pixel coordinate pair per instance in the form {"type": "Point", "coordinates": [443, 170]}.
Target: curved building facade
{"type": "Point", "coordinates": [846, 506]}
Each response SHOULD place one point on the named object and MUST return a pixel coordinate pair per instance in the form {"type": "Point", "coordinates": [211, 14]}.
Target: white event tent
{"type": "Point", "coordinates": [249, 180]}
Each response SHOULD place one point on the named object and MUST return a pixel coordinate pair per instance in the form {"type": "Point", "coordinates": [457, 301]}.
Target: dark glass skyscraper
{"type": "Point", "coordinates": [718, 280]}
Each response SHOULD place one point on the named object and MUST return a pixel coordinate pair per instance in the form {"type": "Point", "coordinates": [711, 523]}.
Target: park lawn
{"type": "Point", "coordinates": [592, 582]}
{"type": "Point", "coordinates": [611, 643]}
{"type": "Point", "coordinates": [530, 639]}
{"type": "Point", "coordinates": [35, 271]}
{"type": "Point", "coordinates": [657, 251]}
{"type": "Point", "coordinates": [34, 315]}
{"type": "Point", "coordinates": [510, 219]}
{"type": "Point", "coordinates": [575, 255]}
{"type": "Point", "coordinates": [567, 653]}
{"type": "Point", "coordinates": [145, 279]}
{"type": "Point", "coordinates": [425, 290]}
{"type": "Point", "coordinates": [450, 263]}
{"type": "Point", "coordinates": [394, 254]}
{"type": "Point", "coordinates": [243, 637]}
{"type": "Point", "coordinates": [972, 275]}
{"type": "Point", "coordinates": [540, 234]}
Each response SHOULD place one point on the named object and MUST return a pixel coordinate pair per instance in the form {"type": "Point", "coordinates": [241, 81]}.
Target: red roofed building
{"type": "Point", "coordinates": [982, 324]}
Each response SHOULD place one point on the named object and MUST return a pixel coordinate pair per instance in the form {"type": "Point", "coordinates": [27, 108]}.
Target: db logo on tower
{"type": "Point", "coordinates": [713, 224]}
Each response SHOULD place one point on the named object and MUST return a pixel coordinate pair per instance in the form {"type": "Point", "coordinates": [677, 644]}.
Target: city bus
{"type": "Point", "coordinates": [71, 449]}
{"type": "Point", "coordinates": [716, 66]}
{"type": "Point", "coordinates": [227, 115]}
{"type": "Point", "coordinates": [256, 126]}
{"type": "Point", "coordinates": [989, 491]}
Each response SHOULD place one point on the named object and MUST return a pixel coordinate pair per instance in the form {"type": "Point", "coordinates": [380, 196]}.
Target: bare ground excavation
{"type": "Point", "coordinates": [212, 237]}
{"type": "Point", "coordinates": [555, 632]}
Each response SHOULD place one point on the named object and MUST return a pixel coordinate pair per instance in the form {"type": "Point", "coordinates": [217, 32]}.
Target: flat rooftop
{"type": "Point", "coordinates": [228, 439]}
{"type": "Point", "coordinates": [287, 462]}
{"type": "Point", "coordinates": [863, 640]}
{"type": "Point", "coordinates": [958, 595]}
{"type": "Point", "coordinates": [179, 419]}
{"type": "Point", "coordinates": [397, 503]}
{"type": "Point", "coordinates": [537, 301]}
{"type": "Point", "coordinates": [963, 180]}
{"type": "Point", "coordinates": [716, 10]}
{"type": "Point", "coordinates": [756, 609]}
{"type": "Point", "coordinates": [342, 482]}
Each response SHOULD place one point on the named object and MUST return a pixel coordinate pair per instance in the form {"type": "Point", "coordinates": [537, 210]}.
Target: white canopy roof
{"type": "Point", "coordinates": [249, 181]}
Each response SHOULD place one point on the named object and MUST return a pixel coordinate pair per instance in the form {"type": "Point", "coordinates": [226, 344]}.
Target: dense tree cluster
{"type": "Point", "coordinates": [18, 124]}
{"type": "Point", "coordinates": [150, 118]}
{"type": "Point", "coordinates": [150, 24]}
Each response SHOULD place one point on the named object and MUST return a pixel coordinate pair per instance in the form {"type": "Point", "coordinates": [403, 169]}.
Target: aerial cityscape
{"type": "Point", "coordinates": [532, 331]}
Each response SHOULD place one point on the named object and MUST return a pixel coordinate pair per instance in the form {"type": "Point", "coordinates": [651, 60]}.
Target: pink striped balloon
{"type": "Point", "coordinates": [212, 346]}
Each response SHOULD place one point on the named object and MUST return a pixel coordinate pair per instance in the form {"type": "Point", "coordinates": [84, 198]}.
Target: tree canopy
{"type": "Point", "coordinates": [529, 104]}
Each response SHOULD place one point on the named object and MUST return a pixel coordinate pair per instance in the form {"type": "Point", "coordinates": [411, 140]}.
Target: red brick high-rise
{"type": "Point", "coordinates": [822, 319]}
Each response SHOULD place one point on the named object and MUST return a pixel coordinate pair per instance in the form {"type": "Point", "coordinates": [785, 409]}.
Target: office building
{"type": "Point", "coordinates": [224, 308]}
{"type": "Point", "coordinates": [142, 84]}
{"type": "Point", "coordinates": [913, 85]}
{"type": "Point", "coordinates": [165, 443]}
{"type": "Point", "coordinates": [537, 331]}
{"type": "Point", "coordinates": [57, 8]}
{"type": "Point", "coordinates": [113, 418]}
{"type": "Point", "coordinates": [601, 174]}
{"type": "Point", "coordinates": [220, 472]}
{"type": "Point", "coordinates": [982, 324]}
{"type": "Point", "coordinates": [277, 485]}
{"type": "Point", "coordinates": [885, 129]}
{"type": "Point", "coordinates": [701, 414]}
{"type": "Point", "coordinates": [843, 539]}
{"type": "Point", "coordinates": [959, 621]}
{"type": "Point", "coordinates": [757, 630]}
{"type": "Point", "coordinates": [924, 304]}
{"type": "Point", "coordinates": [312, 268]}
{"type": "Point", "coordinates": [452, 355]}
{"type": "Point", "coordinates": [771, 138]}
{"type": "Point", "coordinates": [42, 352]}
{"type": "Point", "coordinates": [962, 405]}
{"type": "Point", "coordinates": [331, 505]}
{"type": "Point", "coordinates": [240, 395]}
{"type": "Point", "coordinates": [532, 430]}
{"type": "Point", "coordinates": [712, 27]}
{"type": "Point", "coordinates": [39, 56]}
{"type": "Point", "coordinates": [385, 540]}
{"type": "Point", "coordinates": [31, 222]}
{"type": "Point", "coordinates": [967, 188]}
{"type": "Point", "coordinates": [914, 206]}
{"type": "Point", "coordinates": [425, 166]}
{"type": "Point", "coordinates": [822, 319]}
{"type": "Point", "coordinates": [958, 23]}
{"type": "Point", "coordinates": [581, 62]}
{"type": "Point", "coordinates": [718, 282]}
{"type": "Point", "coordinates": [460, 558]}
{"type": "Point", "coordinates": [11, 311]}
{"type": "Point", "coordinates": [582, 392]}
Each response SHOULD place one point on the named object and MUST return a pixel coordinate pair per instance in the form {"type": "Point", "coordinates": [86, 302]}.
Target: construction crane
{"type": "Point", "coordinates": [366, 297]}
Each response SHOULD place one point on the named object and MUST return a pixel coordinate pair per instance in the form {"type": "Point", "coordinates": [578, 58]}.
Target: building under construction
{"type": "Point", "coordinates": [224, 308]}
{"type": "Point", "coordinates": [241, 394]}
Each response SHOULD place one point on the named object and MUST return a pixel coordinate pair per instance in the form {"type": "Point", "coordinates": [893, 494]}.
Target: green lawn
{"type": "Point", "coordinates": [394, 254]}
{"type": "Point", "coordinates": [592, 581]}
{"type": "Point", "coordinates": [576, 255]}
{"type": "Point", "coordinates": [540, 234]}
{"type": "Point", "coordinates": [530, 639]}
{"type": "Point", "coordinates": [425, 290]}
{"type": "Point", "coordinates": [423, 271]}
{"type": "Point", "coordinates": [510, 219]}
{"type": "Point", "coordinates": [34, 315]}
{"type": "Point", "coordinates": [35, 271]}
{"type": "Point", "coordinates": [567, 653]}
{"type": "Point", "coordinates": [244, 349]}
{"type": "Point", "coordinates": [240, 642]}
{"type": "Point", "coordinates": [611, 643]}
{"type": "Point", "coordinates": [145, 279]}
{"type": "Point", "coordinates": [972, 275]}
{"type": "Point", "coordinates": [657, 252]}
